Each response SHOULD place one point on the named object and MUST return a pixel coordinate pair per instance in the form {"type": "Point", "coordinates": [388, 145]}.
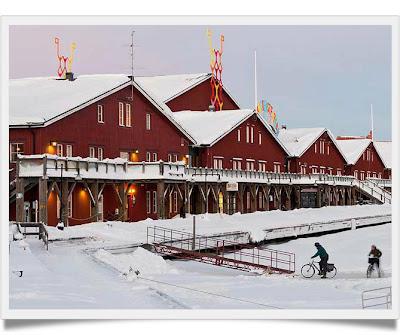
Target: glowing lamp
{"type": "Point", "coordinates": [136, 151]}
{"type": "Point", "coordinates": [53, 143]}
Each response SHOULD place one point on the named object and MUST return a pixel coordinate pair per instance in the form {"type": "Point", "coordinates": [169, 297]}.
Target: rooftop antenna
{"type": "Point", "coordinates": [132, 79]}
{"type": "Point", "coordinates": [255, 80]}
{"type": "Point", "coordinates": [372, 123]}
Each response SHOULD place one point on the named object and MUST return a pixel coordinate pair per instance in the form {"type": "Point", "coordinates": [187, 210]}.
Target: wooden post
{"type": "Point", "coordinates": [160, 200]}
{"type": "Point", "coordinates": [266, 202]}
{"type": "Point", "coordinates": [319, 200]}
{"type": "Point", "coordinates": [64, 203]}
{"type": "Point", "coordinates": [95, 207]}
{"type": "Point", "coordinates": [19, 200]}
{"type": "Point", "coordinates": [123, 204]}
{"type": "Point", "coordinates": [43, 200]}
{"type": "Point", "coordinates": [240, 196]}
{"type": "Point", "coordinates": [253, 200]}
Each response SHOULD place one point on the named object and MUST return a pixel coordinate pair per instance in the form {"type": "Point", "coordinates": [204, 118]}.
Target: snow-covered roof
{"type": "Point", "coordinates": [353, 148]}
{"type": "Point", "coordinates": [207, 127]}
{"type": "Point", "coordinates": [37, 100]}
{"type": "Point", "coordinates": [384, 149]}
{"type": "Point", "coordinates": [298, 140]}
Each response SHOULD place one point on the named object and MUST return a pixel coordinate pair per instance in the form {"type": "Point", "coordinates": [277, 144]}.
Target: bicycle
{"type": "Point", "coordinates": [308, 270]}
{"type": "Point", "coordinates": [372, 267]}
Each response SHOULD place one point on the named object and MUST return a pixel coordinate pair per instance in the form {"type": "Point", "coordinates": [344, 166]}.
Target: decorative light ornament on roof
{"type": "Point", "coordinates": [216, 72]}
{"type": "Point", "coordinates": [64, 63]}
{"type": "Point", "coordinates": [268, 114]}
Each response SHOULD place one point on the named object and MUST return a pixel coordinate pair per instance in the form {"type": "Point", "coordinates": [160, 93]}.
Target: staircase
{"type": "Point", "coordinates": [374, 191]}
{"type": "Point", "coordinates": [28, 185]}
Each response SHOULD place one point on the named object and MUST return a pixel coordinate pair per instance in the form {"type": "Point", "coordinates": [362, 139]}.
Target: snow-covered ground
{"type": "Point", "coordinates": [254, 223]}
{"type": "Point", "coordinates": [68, 277]}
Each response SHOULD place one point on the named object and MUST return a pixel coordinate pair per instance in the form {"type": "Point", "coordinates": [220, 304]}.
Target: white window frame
{"type": "Point", "coordinates": [322, 170]}
{"type": "Point", "coordinates": [262, 166]}
{"type": "Point", "coordinates": [175, 157]}
{"type": "Point", "coordinates": [92, 152]}
{"type": "Point", "coordinates": [100, 153]}
{"type": "Point", "coordinates": [148, 156]}
{"type": "Point", "coordinates": [277, 167]}
{"type": "Point", "coordinates": [16, 152]}
{"type": "Point", "coordinates": [303, 169]}
{"type": "Point", "coordinates": [100, 114]}
{"type": "Point", "coordinates": [380, 175]}
{"type": "Point", "coordinates": [238, 135]}
{"type": "Point", "coordinates": [250, 164]}
{"type": "Point", "coordinates": [155, 202]}
{"type": "Point", "coordinates": [315, 147]}
{"type": "Point", "coordinates": [128, 115]}
{"type": "Point", "coordinates": [338, 172]}
{"type": "Point", "coordinates": [236, 164]}
{"type": "Point", "coordinates": [148, 202]}
{"type": "Point", "coordinates": [121, 117]}
{"type": "Point", "coordinates": [321, 147]}
{"type": "Point", "coordinates": [148, 121]}
{"type": "Point", "coordinates": [259, 138]}
{"type": "Point", "coordinates": [327, 149]}
{"type": "Point", "coordinates": [247, 134]}
{"type": "Point", "coordinates": [155, 157]}
{"type": "Point", "coordinates": [68, 150]}
{"type": "Point", "coordinates": [169, 157]}
{"type": "Point", "coordinates": [60, 149]}
{"type": "Point", "coordinates": [251, 134]}
{"type": "Point", "coordinates": [314, 169]}
{"type": "Point", "coordinates": [218, 162]}
{"type": "Point", "coordinates": [362, 175]}
{"type": "Point", "coordinates": [356, 174]}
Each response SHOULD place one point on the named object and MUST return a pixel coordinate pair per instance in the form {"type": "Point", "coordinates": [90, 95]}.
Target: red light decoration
{"type": "Point", "coordinates": [216, 72]}
{"type": "Point", "coordinates": [64, 61]}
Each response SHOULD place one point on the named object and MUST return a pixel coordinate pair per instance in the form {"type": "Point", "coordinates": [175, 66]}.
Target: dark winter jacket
{"type": "Point", "coordinates": [321, 252]}
{"type": "Point", "coordinates": [375, 253]}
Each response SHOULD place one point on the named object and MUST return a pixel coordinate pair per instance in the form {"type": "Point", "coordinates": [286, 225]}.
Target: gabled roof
{"type": "Point", "coordinates": [299, 140]}
{"type": "Point", "coordinates": [208, 127]}
{"type": "Point", "coordinates": [384, 150]}
{"type": "Point", "coordinates": [353, 149]}
{"type": "Point", "coordinates": [168, 87]}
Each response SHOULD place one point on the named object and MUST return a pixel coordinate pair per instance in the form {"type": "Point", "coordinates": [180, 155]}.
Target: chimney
{"type": "Point", "coordinates": [283, 126]}
{"type": "Point", "coordinates": [69, 76]}
{"type": "Point", "coordinates": [211, 108]}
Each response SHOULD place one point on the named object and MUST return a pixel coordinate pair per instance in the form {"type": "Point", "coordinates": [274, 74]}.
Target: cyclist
{"type": "Point", "coordinates": [323, 255]}
{"type": "Point", "coordinates": [376, 254]}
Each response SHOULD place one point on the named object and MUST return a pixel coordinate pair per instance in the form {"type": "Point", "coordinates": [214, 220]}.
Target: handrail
{"type": "Point", "coordinates": [386, 298]}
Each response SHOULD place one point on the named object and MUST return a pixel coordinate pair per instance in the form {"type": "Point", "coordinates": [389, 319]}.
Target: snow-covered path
{"type": "Point", "coordinates": [67, 277]}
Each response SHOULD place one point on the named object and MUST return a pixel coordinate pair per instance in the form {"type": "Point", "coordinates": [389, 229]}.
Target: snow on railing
{"type": "Point", "coordinates": [381, 182]}
{"type": "Point", "coordinates": [374, 190]}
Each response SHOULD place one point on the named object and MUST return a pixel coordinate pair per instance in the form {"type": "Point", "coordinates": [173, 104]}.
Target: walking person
{"type": "Point", "coordinates": [323, 263]}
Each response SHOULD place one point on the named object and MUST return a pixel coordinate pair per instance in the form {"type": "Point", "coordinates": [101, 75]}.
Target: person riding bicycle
{"type": "Point", "coordinates": [376, 254]}
{"type": "Point", "coordinates": [323, 255]}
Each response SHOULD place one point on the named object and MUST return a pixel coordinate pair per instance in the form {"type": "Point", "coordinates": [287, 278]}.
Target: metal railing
{"type": "Point", "coordinates": [378, 297]}
{"type": "Point", "coordinates": [232, 251]}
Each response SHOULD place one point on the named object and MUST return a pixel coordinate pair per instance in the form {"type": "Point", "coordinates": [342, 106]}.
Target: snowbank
{"type": "Point", "coordinates": [140, 260]}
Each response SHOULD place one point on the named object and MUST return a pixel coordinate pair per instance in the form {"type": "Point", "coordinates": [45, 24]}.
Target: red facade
{"type": "Point", "coordinates": [236, 151]}
{"type": "Point", "coordinates": [198, 99]}
{"type": "Point", "coordinates": [368, 165]}
{"type": "Point", "coordinates": [322, 156]}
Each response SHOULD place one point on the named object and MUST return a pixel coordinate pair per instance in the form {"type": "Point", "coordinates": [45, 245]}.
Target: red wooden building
{"type": "Point", "coordinates": [363, 159]}
{"type": "Point", "coordinates": [313, 150]}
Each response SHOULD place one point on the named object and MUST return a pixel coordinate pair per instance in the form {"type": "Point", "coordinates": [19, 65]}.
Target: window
{"type": "Point", "coordinates": [92, 152]}
{"type": "Point", "coordinates": [175, 202]}
{"type": "Point", "coordinates": [236, 164]}
{"type": "Point", "coordinates": [261, 166]}
{"type": "Point", "coordinates": [175, 157]}
{"type": "Point", "coordinates": [362, 174]}
{"type": "Point", "coordinates": [372, 156]}
{"type": "Point", "coordinates": [368, 174]}
{"type": "Point", "coordinates": [380, 175]}
{"type": "Point", "coordinates": [148, 156]}
{"type": "Point", "coordinates": [330, 171]}
{"type": "Point", "coordinates": [16, 149]}
{"type": "Point", "coordinates": [247, 134]}
{"type": "Point", "coordinates": [249, 165]}
{"type": "Point", "coordinates": [322, 170]}
{"type": "Point", "coordinates": [321, 147]}
{"type": "Point", "coordinates": [314, 170]}
{"type": "Point", "coordinates": [128, 118]}
{"type": "Point", "coordinates": [148, 202]}
{"type": "Point", "coordinates": [327, 149]}
{"type": "Point", "coordinates": [259, 138]}
{"type": "Point", "coordinates": [148, 121]}
{"type": "Point", "coordinates": [315, 147]}
{"type": "Point", "coordinates": [374, 175]}
{"type": "Point", "coordinates": [100, 114]}
{"type": "Point", "coordinates": [218, 161]}
{"type": "Point", "coordinates": [169, 158]}
{"type": "Point", "coordinates": [154, 157]}
{"type": "Point", "coordinates": [121, 118]}
{"type": "Point", "coordinates": [100, 153]}
{"type": "Point", "coordinates": [251, 134]}
{"type": "Point", "coordinates": [238, 135]}
{"type": "Point", "coordinates": [59, 150]}
{"type": "Point", "coordinates": [277, 167]}
{"type": "Point", "coordinates": [339, 172]}
{"type": "Point", "coordinates": [69, 150]}
{"type": "Point", "coordinates": [155, 202]}
{"type": "Point", "coordinates": [124, 155]}
{"type": "Point", "coordinates": [356, 174]}
{"type": "Point", "coordinates": [303, 169]}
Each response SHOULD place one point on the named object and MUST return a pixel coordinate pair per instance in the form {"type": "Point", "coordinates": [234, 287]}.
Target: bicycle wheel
{"type": "Point", "coordinates": [369, 271]}
{"type": "Point", "coordinates": [307, 271]}
{"type": "Point", "coordinates": [331, 274]}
